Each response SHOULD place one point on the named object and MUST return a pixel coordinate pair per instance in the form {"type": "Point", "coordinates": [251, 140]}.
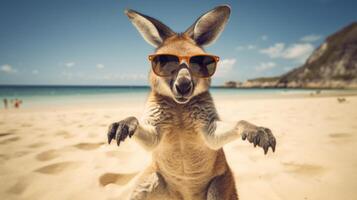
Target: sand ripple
{"type": "Point", "coordinates": [58, 167]}
{"type": "Point", "coordinates": [113, 178]}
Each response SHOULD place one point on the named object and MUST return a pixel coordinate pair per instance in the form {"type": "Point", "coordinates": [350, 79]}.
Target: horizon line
{"type": "Point", "coordinates": [80, 85]}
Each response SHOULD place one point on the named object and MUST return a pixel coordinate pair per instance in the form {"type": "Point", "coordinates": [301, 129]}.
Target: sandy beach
{"type": "Point", "coordinates": [61, 153]}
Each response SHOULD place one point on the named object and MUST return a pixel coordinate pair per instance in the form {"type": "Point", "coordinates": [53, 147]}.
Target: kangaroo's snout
{"type": "Point", "coordinates": [183, 86]}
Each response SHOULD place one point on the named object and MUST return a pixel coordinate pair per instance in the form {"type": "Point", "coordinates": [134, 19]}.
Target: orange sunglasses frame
{"type": "Point", "coordinates": [186, 58]}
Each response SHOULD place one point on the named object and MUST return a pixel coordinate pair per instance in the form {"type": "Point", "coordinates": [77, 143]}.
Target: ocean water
{"type": "Point", "coordinates": [67, 95]}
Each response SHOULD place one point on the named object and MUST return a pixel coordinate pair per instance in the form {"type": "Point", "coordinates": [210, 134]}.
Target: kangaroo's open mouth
{"type": "Point", "coordinates": [181, 99]}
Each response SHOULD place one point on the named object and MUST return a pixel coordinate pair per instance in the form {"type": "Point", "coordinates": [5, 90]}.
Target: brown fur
{"type": "Point", "coordinates": [188, 166]}
{"type": "Point", "coordinates": [184, 132]}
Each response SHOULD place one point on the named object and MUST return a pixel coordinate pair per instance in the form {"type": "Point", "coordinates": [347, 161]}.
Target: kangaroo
{"type": "Point", "coordinates": [180, 124]}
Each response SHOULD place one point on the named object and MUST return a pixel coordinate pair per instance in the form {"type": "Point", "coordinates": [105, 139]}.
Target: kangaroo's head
{"type": "Point", "coordinates": [181, 69]}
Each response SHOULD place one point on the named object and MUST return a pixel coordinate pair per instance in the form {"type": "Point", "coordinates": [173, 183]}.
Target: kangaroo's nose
{"type": "Point", "coordinates": [183, 86]}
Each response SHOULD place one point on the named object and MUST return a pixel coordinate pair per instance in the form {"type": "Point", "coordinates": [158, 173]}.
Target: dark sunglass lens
{"type": "Point", "coordinates": [165, 65]}
{"type": "Point", "coordinates": [203, 66]}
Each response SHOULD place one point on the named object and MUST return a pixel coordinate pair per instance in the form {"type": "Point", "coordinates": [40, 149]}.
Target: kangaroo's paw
{"type": "Point", "coordinates": [260, 136]}
{"type": "Point", "coordinates": [119, 131]}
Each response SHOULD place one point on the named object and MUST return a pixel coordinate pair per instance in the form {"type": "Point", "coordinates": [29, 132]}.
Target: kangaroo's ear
{"type": "Point", "coordinates": [152, 30]}
{"type": "Point", "coordinates": [208, 27]}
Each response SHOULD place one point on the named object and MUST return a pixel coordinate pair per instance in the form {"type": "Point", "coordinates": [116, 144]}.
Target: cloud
{"type": "Point", "coordinates": [287, 68]}
{"type": "Point", "coordinates": [8, 69]}
{"type": "Point", "coordinates": [265, 66]}
{"type": "Point", "coordinates": [246, 47]}
{"type": "Point", "coordinates": [35, 72]}
{"type": "Point", "coordinates": [240, 48]}
{"type": "Point", "coordinates": [70, 64]}
{"type": "Point", "coordinates": [250, 47]}
{"type": "Point", "coordinates": [123, 77]}
{"type": "Point", "coordinates": [298, 51]}
{"type": "Point", "coordinates": [66, 74]}
{"type": "Point", "coordinates": [225, 66]}
{"type": "Point", "coordinates": [311, 38]}
{"type": "Point", "coordinates": [274, 51]}
{"type": "Point", "coordinates": [131, 77]}
{"type": "Point", "coordinates": [96, 77]}
{"type": "Point", "coordinates": [100, 66]}
{"type": "Point", "coordinates": [264, 37]}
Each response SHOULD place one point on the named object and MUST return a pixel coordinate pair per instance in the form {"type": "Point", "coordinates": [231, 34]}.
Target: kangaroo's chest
{"type": "Point", "coordinates": [185, 150]}
{"type": "Point", "coordinates": [182, 153]}
{"type": "Point", "coordinates": [184, 158]}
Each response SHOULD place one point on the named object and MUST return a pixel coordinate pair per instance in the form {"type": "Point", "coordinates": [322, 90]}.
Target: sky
{"type": "Point", "coordinates": [92, 42]}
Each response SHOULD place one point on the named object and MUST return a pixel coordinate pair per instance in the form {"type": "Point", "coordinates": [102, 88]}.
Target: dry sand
{"type": "Point", "coordinates": [60, 153]}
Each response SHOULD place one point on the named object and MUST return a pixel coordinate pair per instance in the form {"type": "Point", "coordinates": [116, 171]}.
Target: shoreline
{"type": "Point", "coordinates": [120, 99]}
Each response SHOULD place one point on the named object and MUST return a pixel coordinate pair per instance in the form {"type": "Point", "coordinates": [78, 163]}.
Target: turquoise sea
{"type": "Point", "coordinates": [67, 95]}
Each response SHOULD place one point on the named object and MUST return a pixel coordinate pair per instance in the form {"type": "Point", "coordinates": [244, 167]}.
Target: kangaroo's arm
{"type": "Point", "coordinates": [219, 133]}
{"type": "Point", "coordinates": [147, 136]}
{"type": "Point", "coordinates": [144, 133]}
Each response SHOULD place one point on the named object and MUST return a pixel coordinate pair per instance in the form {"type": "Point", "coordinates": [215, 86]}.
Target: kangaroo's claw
{"type": "Point", "coordinates": [261, 137]}
{"type": "Point", "coordinates": [111, 131]}
{"type": "Point", "coordinates": [122, 129]}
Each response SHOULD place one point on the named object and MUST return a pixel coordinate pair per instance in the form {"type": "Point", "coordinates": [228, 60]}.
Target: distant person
{"type": "Point", "coordinates": [17, 103]}
{"type": "Point", "coordinates": [5, 103]}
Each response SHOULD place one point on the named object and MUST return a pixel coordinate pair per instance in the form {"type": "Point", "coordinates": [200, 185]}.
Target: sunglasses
{"type": "Point", "coordinates": [201, 66]}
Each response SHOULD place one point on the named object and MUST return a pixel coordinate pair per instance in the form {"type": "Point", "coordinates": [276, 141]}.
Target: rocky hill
{"type": "Point", "coordinates": [332, 65]}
